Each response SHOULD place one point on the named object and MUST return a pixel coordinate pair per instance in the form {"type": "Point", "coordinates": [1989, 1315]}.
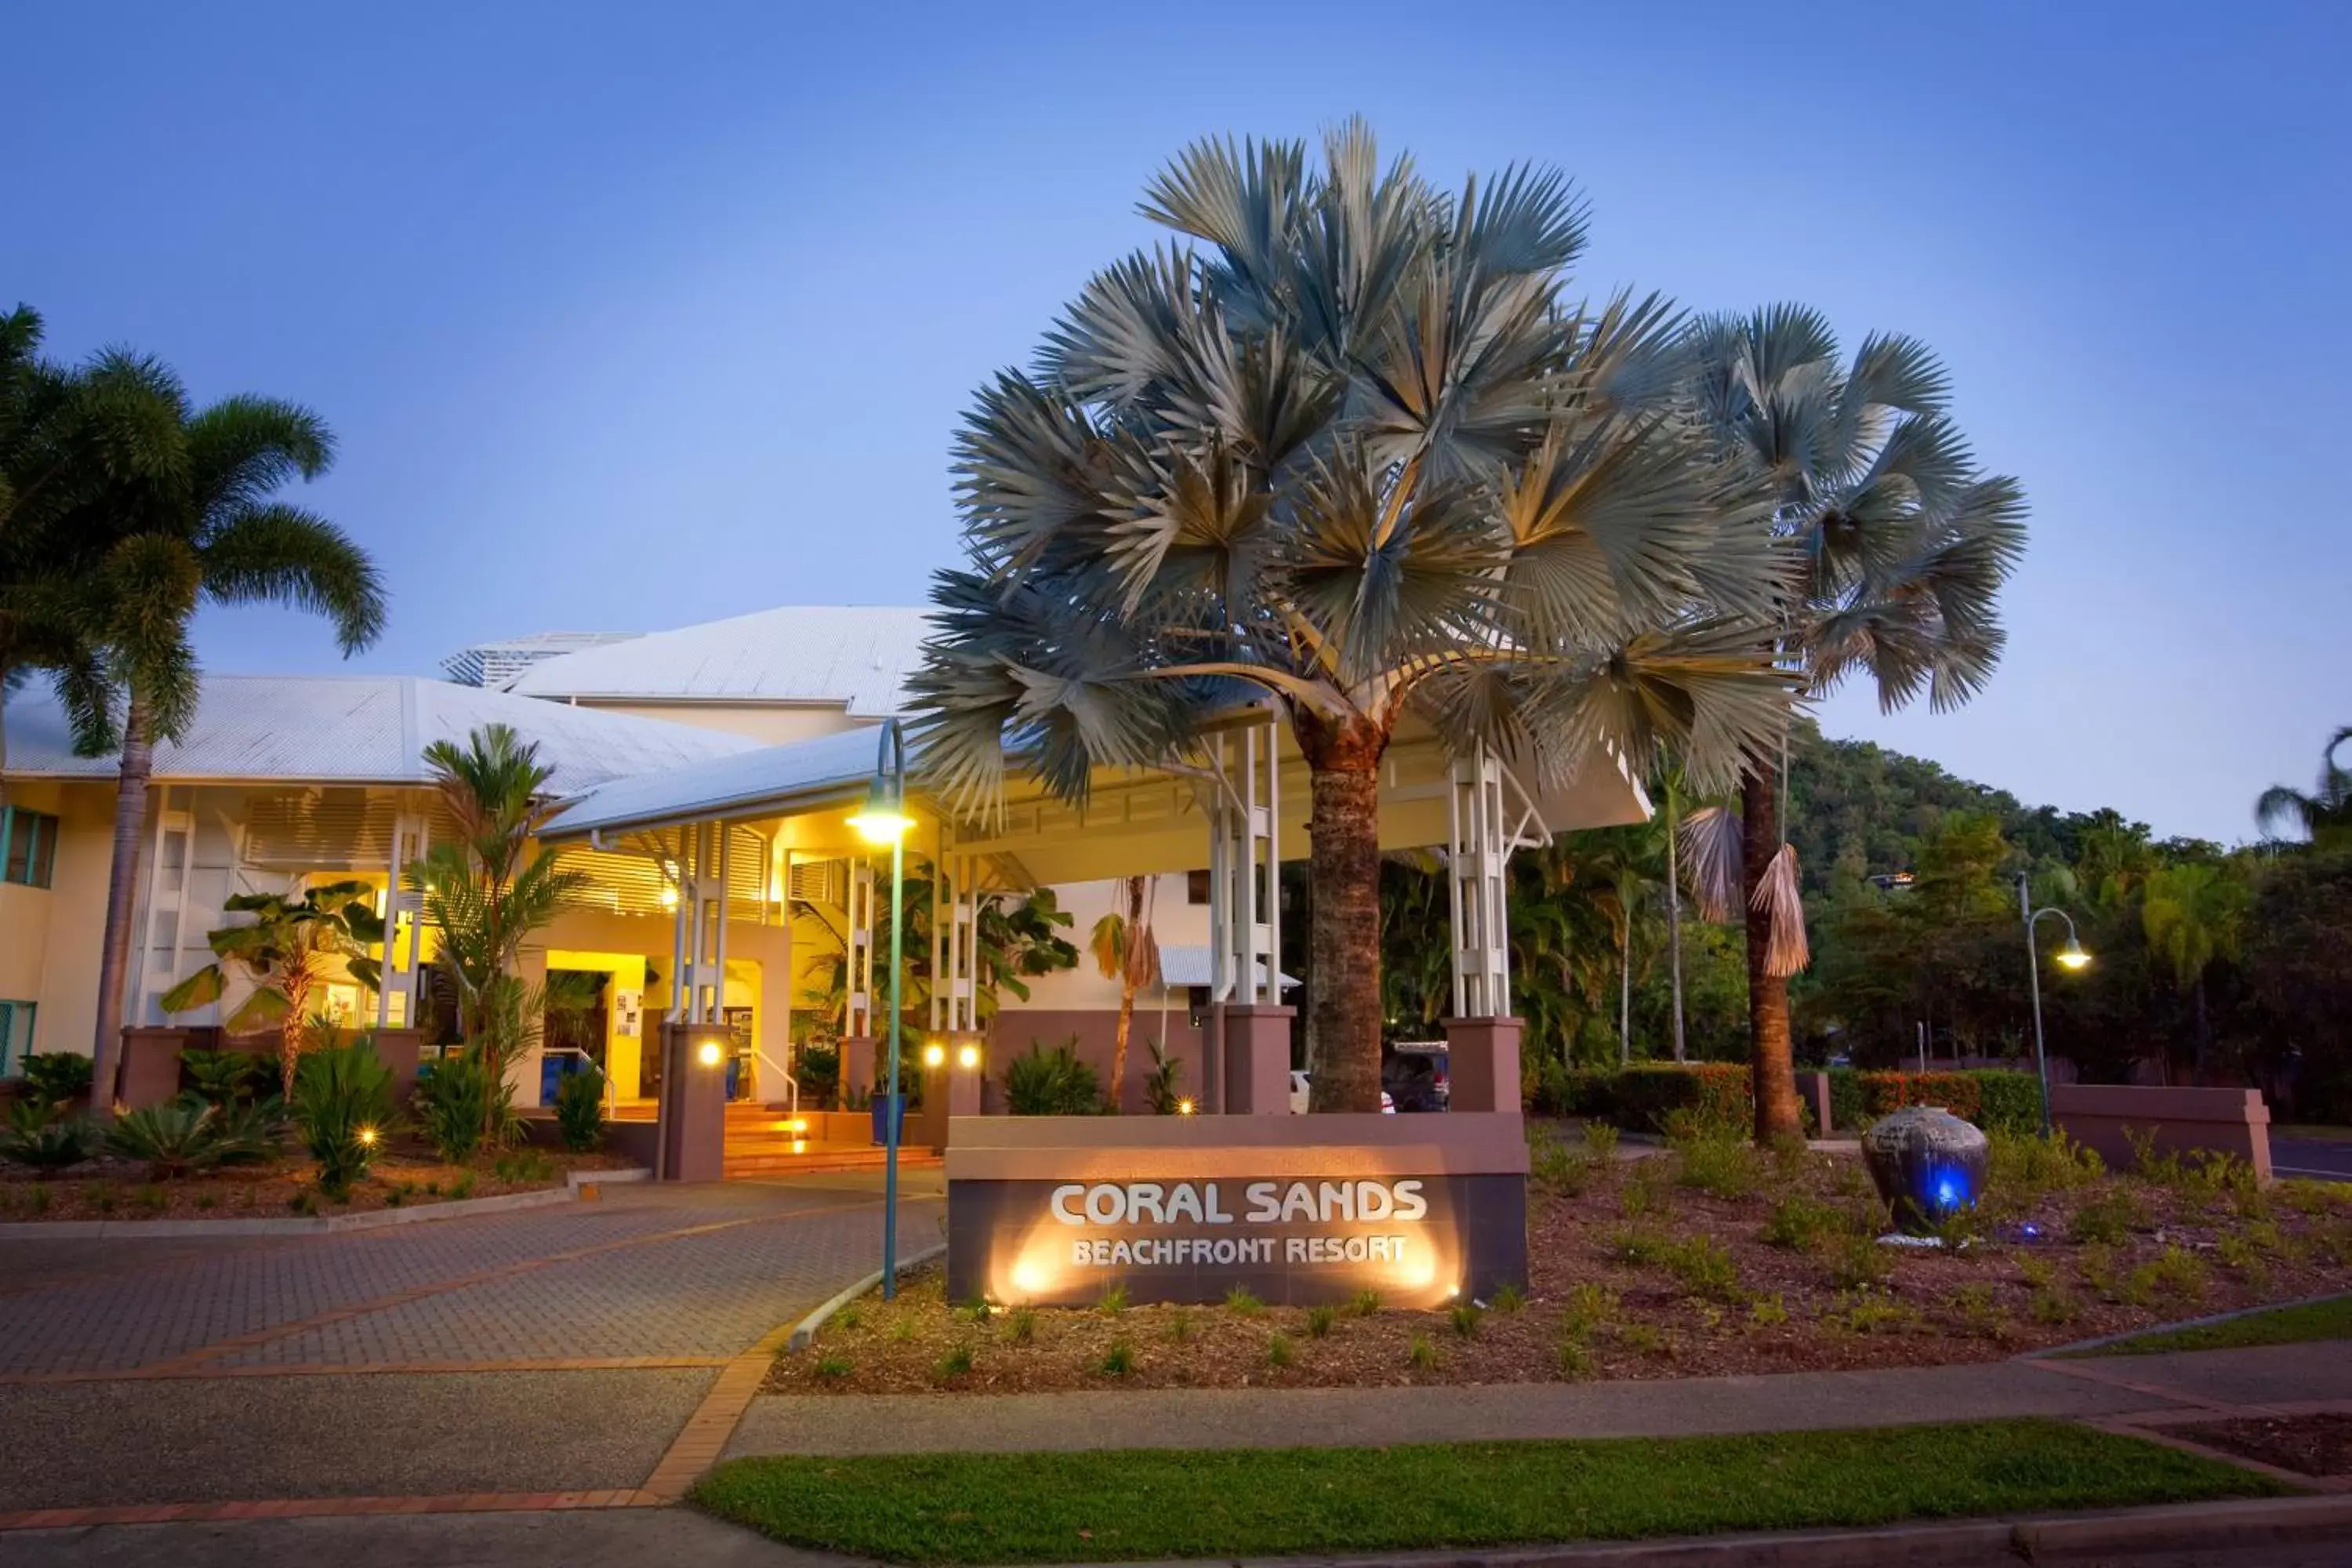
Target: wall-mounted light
{"type": "Point", "coordinates": [709, 1054]}
{"type": "Point", "coordinates": [968, 1057]}
{"type": "Point", "coordinates": [934, 1054]}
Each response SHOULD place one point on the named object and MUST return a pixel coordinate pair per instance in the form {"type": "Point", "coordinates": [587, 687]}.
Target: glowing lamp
{"type": "Point", "coordinates": [709, 1054]}
{"type": "Point", "coordinates": [968, 1057]}
{"type": "Point", "coordinates": [1185, 1108]}
{"type": "Point", "coordinates": [934, 1054]}
{"type": "Point", "coordinates": [367, 1136]}
{"type": "Point", "coordinates": [668, 897]}
{"type": "Point", "coordinates": [2072, 955]}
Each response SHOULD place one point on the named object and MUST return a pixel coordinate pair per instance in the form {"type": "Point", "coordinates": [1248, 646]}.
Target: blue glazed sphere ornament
{"type": "Point", "coordinates": [1929, 1165]}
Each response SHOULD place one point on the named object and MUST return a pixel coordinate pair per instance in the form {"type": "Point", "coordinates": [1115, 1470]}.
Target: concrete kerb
{"type": "Point", "coordinates": [320, 1224]}
{"type": "Point", "coordinates": [2159, 1330]}
{"type": "Point", "coordinates": [2107, 1536]}
{"type": "Point", "coordinates": [805, 1329]}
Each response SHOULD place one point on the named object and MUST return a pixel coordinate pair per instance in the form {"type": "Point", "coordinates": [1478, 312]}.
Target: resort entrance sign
{"type": "Point", "coordinates": [1296, 1210]}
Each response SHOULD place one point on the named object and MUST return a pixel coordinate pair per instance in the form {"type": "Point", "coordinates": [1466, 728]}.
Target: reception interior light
{"type": "Point", "coordinates": [934, 1054]}
{"type": "Point", "coordinates": [709, 1053]}
{"type": "Point", "coordinates": [2072, 955]}
{"type": "Point", "coordinates": [966, 1056]}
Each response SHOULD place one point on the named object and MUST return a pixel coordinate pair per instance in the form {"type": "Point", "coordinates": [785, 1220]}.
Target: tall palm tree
{"type": "Point", "coordinates": [2326, 816]}
{"type": "Point", "coordinates": [1347, 444]}
{"type": "Point", "coordinates": [203, 529]}
{"type": "Point", "coordinates": [2194, 914]}
{"type": "Point", "coordinates": [1903, 545]}
{"type": "Point", "coordinates": [64, 435]}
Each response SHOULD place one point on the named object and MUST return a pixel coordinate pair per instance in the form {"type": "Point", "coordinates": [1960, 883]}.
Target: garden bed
{"type": "Point", "coordinates": [112, 1189]}
{"type": "Point", "coordinates": [1706, 1259]}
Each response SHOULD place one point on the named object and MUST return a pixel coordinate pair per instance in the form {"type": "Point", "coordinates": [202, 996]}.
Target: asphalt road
{"type": "Point", "coordinates": [2326, 1160]}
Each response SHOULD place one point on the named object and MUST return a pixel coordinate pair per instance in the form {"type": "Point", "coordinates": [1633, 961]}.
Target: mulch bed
{"type": "Point", "coordinates": [109, 1189]}
{"type": "Point", "coordinates": [1635, 1273]}
{"type": "Point", "coordinates": [2307, 1445]}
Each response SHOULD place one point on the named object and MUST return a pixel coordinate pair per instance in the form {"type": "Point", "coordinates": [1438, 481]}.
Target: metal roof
{"type": "Point", "coordinates": [1182, 963]}
{"type": "Point", "coordinates": [772, 781]}
{"type": "Point", "coordinates": [855, 654]}
{"type": "Point", "coordinates": [363, 728]}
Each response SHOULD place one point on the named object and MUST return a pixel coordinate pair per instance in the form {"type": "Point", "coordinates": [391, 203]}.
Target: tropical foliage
{"type": "Point", "coordinates": [47, 1138]}
{"type": "Point", "coordinates": [489, 888]}
{"type": "Point", "coordinates": [293, 945]}
{"type": "Point", "coordinates": [1125, 949]}
{"type": "Point", "coordinates": [342, 1108]}
{"type": "Point", "coordinates": [461, 1105]}
{"type": "Point", "coordinates": [1902, 545]}
{"type": "Point", "coordinates": [1052, 1083]}
{"type": "Point", "coordinates": [188, 1134]}
{"type": "Point", "coordinates": [1348, 443]}
{"type": "Point", "coordinates": [580, 1110]}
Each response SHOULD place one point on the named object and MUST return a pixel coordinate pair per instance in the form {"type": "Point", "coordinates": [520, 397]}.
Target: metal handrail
{"type": "Point", "coordinates": [794, 1099]}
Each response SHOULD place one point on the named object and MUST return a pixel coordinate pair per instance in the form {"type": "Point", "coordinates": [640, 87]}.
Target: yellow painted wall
{"type": "Point", "coordinates": [71, 912]}
{"type": "Point", "coordinates": [624, 1054]}
{"type": "Point", "coordinates": [772, 723]}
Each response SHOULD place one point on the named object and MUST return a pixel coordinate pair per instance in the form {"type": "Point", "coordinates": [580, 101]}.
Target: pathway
{"type": "Point", "coordinates": [572, 1350]}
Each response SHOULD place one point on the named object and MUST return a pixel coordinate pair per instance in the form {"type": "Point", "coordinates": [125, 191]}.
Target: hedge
{"type": "Point", "coordinates": [1647, 1095]}
{"type": "Point", "coordinates": [1717, 1096]}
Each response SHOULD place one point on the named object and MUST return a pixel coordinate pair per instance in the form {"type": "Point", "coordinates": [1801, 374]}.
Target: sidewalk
{"type": "Point", "coordinates": [2260, 1379]}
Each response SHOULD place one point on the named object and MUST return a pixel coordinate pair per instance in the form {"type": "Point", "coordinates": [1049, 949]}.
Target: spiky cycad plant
{"type": "Point", "coordinates": [1347, 444]}
{"type": "Point", "coordinates": [1903, 544]}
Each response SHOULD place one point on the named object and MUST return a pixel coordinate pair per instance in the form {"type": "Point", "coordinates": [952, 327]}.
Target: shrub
{"type": "Point", "coordinates": [580, 1110]}
{"type": "Point", "coordinates": [1886, 1092]}
{"type": "Point", "coordinates": [1020, 1325]}
{"type": "Point", "coordinates": [1798, 1222]}
{"type": "Point", "coordinates": [1717, 1096]}
{"type": "Point", "coordinates": [1555, 1167]}
{"type": "Point", "coordinates": [1703, 1267]}
{"type": "Point", "coordinates": [1163, 1085]}
{"type": "Point", "coordinates": [1465, 1318]}
{"type": "Point", "coordinates": [1845, 1099]}
{"type": "Point", "coordinates": [54, 1079]}
{"type": "Point", "coordinates": [833, 1368]}
{"type": "Point", "coordinates": [1277, 1350]}
{"type": "Point", "coordinates": [1114, 1301]}
{"type": "Point", "coordinates": [525, 1167]}
{"type": "Point", "coordinates": [1120, 1361]}
{"type": "Point", "coordinates": [1601, 1140]}
{"type": "Point", "coordinates": [1052, 1083]}
{"type": "Point", "coordinates": [1769, 1312]}
{"type": "Point", "coordinates": [2027, 1165]}
{"type": "Point", "coordinates": [1588, 1307]}
{"type": "Point", "coordinates": [37, 1135]}
{"type": "Point", "coordinates": [954, 1364]}
{"type": "Point", "coordinates": [453, 1105]}
{"type": "Point", "coordinates": [1240, 1301]}
{"type": "Point", "coordinates": [1509, 1298]}
{"type": "Point", "coordinates": [1719, 1167]}
{"type": "Point", "coordinates": [342, 1106]}
{"type": "Point", "coordinates": [227, 1077]}
{"type": "Point", "coordinates": [1859, 1263]}
{"type": "Point", "coordinates": [1319, 1320]}
{"type": "Point", "coordinates": [2009, 1101]}
{"type": "Point", "coordinates": [2108, 1218]}
{"type": "Point", "coordinates": [1423, 1356]}
{"type": "Point", "coordinates": [174, 1139]}
{"type": "Point", "coordinates": [1365, 1303]}
{"type": "Point", "coordinates": [818, 1067]}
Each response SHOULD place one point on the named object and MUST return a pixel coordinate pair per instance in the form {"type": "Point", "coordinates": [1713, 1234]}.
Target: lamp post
{"type": "Point", "coordinates": [2071, 956]}
{"type": "Point", "coordinates": [885, 819]}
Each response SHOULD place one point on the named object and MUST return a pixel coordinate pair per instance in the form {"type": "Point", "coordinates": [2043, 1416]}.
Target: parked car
{"type": "Point", "coordinates": [1300, 1089]}
{"type": "Point", "coordinates": [1414, 1074]}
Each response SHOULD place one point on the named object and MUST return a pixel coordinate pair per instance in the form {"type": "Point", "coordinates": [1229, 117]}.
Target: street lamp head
{"type": "Point", "coordinates": [883, 819]}
{"type": "Point", "coordinates": [2073, 956]}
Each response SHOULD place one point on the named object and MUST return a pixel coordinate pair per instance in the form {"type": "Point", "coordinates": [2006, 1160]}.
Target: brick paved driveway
{"type": "Point", "coordinates": [464, 1354]}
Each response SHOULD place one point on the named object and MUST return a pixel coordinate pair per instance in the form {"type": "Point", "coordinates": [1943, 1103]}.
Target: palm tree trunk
{"type": "Point", "coordinates": [1625, 985]}
{"type": "Point", "coordinates": [1344, 873]}
{"type": "Point", "coordinates": [1772, 1061]}
{"type": "Point", "coordinates": [121, 897]}
{"type": "Point", "coordinates": [1674, 928]}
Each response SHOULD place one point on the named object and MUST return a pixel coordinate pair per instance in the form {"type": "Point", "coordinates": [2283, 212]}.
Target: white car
{"type": "Point", "coordinates": [1299, 1095]}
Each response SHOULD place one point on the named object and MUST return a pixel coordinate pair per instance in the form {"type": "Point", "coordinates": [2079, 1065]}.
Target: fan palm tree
{"type": "Point", "coordinates": [1126, 951]}
{"type": "Point", "coordinates": [2326, 816]}
{"type": "Point", "coordinates": [1903, 545]}
{"type": "Point", "coordinates": [290, 948]}
{"type": "Point", "coordinates": [1347, 445]}
{"type": "Point", "coordinates": [203, 528]}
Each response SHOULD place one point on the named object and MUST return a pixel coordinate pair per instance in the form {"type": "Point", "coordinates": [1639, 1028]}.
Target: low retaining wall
{"type": "Point", "coordinates": [2230, 1120]}
{"type": "Point", "coordinates": [1296, 1210]}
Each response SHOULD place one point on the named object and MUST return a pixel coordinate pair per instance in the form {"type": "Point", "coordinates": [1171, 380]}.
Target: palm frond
{"type": "Point", "coordinates": [274, 553]}
{"type": "Point", "coordinates": [1709, 842]}
{"type": "Point", "coordinates": [1777, 895]}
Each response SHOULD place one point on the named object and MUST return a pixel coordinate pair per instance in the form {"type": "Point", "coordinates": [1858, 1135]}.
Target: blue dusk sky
{"type": "Point", "coordinates": [630, 316]}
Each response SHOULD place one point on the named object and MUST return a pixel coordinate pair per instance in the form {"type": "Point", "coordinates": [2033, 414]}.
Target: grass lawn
{"type": "Point", "coordinates": [1153, 1503]}
{"type": "Point", "coordinates": [2330, 1320]}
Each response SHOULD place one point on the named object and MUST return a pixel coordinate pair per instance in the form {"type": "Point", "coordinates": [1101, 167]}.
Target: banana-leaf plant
{"type": "Point", "coordinates": [294, 945]}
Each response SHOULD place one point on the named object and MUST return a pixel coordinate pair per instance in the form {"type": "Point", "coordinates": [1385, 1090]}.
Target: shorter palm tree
{"type": "Point", "coordinates": [2194, 915]}
{"type": "Point", "coordinates": [290, 948]}
{"type": "Point", "coordinates": [1126, 951]}
{"type": "Point", "coordinates": [2326, 816]}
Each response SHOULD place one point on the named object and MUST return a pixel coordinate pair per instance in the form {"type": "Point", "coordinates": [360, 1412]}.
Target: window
{"type": "Point", "coordinates": [16, 1036]}
{"type": "Point", "coordinates": [29, 847]}
{"type": "Point", "coordinates": [1196, 887]}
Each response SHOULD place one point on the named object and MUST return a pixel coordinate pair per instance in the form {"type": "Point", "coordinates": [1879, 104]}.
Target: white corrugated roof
{"type": "Point", "coordinates": [363, 728]}
{"type": "Point", "coordinates": [1185, 964]}
{"type": "Point", "coordinates": [859, 655]}
{"type": "Point", "coordinates": [768, 782]}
